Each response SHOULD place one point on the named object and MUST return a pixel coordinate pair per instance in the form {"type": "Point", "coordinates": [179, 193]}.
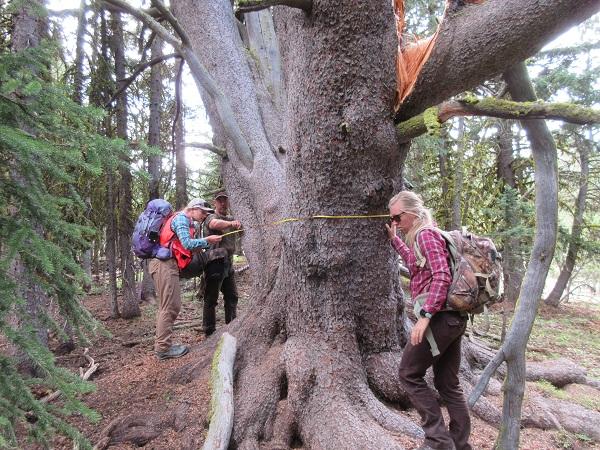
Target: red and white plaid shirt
{"type": "Point", "coordinates": [434, 277]}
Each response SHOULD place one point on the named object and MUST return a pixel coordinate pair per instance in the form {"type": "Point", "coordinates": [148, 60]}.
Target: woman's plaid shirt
{"type": "Point", "coordinates": [434, 277]}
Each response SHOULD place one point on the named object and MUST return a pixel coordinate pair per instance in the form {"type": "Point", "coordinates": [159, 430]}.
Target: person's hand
{"type": "Point", "coordinates": [213, 239]}
{"type": "Point", "coordinates": [236, 224]}
{"type": "Point", "coordinates": [391, 230]}
{"type": "Point", "coordinates": [418, 331]}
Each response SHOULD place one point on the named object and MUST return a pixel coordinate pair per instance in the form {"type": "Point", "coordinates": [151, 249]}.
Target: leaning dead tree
{"type": "Point", "coordinates": [300, 97]}
{"type": "Point", "coordinates": [546, 206]}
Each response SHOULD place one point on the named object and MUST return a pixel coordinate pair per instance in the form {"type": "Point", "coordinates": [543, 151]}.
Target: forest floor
{"type": "Point", "coordinates": [130, 380]}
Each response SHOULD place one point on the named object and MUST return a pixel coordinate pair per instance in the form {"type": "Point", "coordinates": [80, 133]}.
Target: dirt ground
{"type": "Point", "coordinates": [131, 381]}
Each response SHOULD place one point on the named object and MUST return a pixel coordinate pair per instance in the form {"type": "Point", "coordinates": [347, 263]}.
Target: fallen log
{"type": "Point", "coordinates": [221, 411]}
{"type": "Point", "coordinates": [592, 382]}
{"type": "Point", "coordinates": [575, 418]}
{"type": "Point", "coordinates": [559, 372]}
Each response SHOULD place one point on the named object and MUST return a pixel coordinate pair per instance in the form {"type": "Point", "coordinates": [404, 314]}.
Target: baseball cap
{"type": "Point", "coordinates": [221, 194]}
{"type": "Point", "coordinates": [200, 204]}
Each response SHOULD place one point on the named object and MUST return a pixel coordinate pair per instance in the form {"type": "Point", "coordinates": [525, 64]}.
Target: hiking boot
{"type": "Point", "coordinates": [175, 351]}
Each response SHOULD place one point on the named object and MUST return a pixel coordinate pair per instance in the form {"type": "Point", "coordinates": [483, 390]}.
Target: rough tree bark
{"type": "Point", "coordinates": [321, 343]}
{"type": "Point", "coordinates": [130, 307]}
{"type": "Point", "coordinates": [556, 294]}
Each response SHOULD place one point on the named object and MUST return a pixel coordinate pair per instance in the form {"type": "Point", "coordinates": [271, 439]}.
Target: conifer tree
{"type": "Point", "coordinates": [43, 135]}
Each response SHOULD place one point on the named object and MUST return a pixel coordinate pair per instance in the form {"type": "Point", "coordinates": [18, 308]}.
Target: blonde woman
{"type": "Point", "coordinates": [436, 336]}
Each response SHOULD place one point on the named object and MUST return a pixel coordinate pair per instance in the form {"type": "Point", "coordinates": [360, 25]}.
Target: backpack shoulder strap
{"type": "Point", "coordinates": [452, 247]}
{"type": "Point", "coordinates": [420, 259]}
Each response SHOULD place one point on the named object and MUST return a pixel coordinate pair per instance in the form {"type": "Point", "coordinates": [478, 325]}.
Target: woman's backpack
{"type": "Point", "coordinates": [475, 265]}
{"type": "Point", "coordinates": [145, 241]}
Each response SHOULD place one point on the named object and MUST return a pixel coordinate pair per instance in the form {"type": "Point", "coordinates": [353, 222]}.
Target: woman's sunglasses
{"type": "Point", "coordinates": [397, 217]}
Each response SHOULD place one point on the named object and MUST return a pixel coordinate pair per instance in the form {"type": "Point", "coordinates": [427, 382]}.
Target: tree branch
{"type": "Point", "coordinates": [138, 70]}
{"type": "Point", "coordinates": [494, 107]}
{"type": "Point", "coordinates": [212, 148]}
{"type": "Point", "coordinates": [484, 379]}
{"type": "Point", "coordinates": [185, 40]}
{"type": "Point", "coordinates": [567, 51]}
{"type": "Point", "coordinates": [481, 42]}
{"type": "Point", "coordinates": [203, 79]}
{"type": "Point", "coordinates": [63, 12]}
{"type": "Point", "coordinates": [246, 6]}
{"type": "Point", "coordinates": [146, 18]}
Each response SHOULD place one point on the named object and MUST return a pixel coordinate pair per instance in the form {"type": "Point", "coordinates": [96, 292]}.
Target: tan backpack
{"type": "Point", "coordinates": [475, 265]}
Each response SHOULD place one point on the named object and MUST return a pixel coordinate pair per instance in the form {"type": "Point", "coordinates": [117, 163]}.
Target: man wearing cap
{"type": "Point", "coordinates": [217, 224]}
{"type": "Point", "coordinates": [176, 234]}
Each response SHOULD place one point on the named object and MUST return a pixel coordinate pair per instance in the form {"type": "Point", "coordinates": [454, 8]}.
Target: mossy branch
{"type": "Point", "coordinates": [493, 107]}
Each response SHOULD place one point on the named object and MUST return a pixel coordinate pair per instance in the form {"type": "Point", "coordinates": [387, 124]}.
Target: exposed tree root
{"type": "Point", "coordinates": [389, 419]}
{"type": "Point", "coordinates": [329, 400]}
{"type": "Point", "coordinates": [282, 428]}
{"type": "Point", "coordinates": [576, 418]}
{"type": "Point", "coordinates": [263, 386]}
{"type": "Point", "coordinates": [382, 373]}
{"type": "Point", "coordinates": [592, 382]}
{"type": "Point", "coordinates": [552, 413]}
{"type": "Point", "coordinates": [136, 429]}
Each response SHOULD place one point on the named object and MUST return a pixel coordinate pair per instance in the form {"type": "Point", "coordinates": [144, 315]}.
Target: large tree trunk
{"type": "Point", "coordinates": [130, 307]}
{"type": "Point", "coordinates": [556, 294]}
{"type": "Point", "coordinates": [311, 354]}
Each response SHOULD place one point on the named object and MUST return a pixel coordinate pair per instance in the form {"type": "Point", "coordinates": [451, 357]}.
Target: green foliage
{"type": "Point", "coordinates": [485, 201]}
{"type": "Point", "coordinates": [47, 144]}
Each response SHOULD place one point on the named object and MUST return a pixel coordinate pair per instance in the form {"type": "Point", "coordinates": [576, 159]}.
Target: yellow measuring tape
{"type": "Point", "coordinates": [299, 219]}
